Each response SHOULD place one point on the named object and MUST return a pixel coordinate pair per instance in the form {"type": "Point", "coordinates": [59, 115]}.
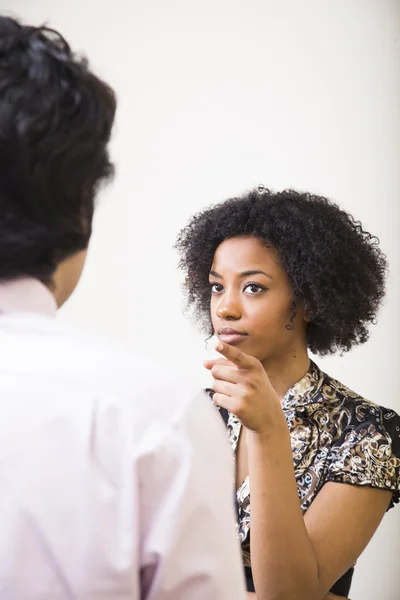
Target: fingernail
{"type": "Point", "coordinates": [219, 347]}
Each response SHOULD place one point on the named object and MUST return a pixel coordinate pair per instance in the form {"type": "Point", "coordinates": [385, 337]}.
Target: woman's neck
{"type": "Point", "coordinates": [284, 371]}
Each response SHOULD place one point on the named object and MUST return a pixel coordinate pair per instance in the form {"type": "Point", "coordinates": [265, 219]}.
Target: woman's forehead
{"type": "Point", "coordinates": [240, 254]}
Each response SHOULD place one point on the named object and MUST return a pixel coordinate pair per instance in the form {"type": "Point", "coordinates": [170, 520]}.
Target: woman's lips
{"type": "Point", "coordinates": [230, 336]}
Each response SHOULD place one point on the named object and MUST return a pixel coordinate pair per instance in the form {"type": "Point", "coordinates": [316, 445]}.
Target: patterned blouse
{"type": "Point", "coordinates": [336, 436]}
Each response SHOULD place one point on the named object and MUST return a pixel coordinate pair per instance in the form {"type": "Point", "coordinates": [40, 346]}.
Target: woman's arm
{"type": "Point", "coordinates": [293, 558]}
{"type": "Point", "coordinates": [284, 563]}
{"type": "Point", "coordinates": [301, 558]}
{"type": "Point", "coordinates": [252, 596]}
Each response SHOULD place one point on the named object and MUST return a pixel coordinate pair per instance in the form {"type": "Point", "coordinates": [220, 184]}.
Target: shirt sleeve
{"type": "Point", "coordinates": [190, 550]}
{"type": "Point", "coordinates": [368, 453]}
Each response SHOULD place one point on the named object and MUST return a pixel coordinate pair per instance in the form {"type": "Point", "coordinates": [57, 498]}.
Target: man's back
{"type": "Point", "coordinates": [107, 490]}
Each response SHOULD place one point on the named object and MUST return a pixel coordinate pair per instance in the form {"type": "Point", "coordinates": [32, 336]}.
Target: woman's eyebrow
{"type": "Point", "coordinates": [244, 274]}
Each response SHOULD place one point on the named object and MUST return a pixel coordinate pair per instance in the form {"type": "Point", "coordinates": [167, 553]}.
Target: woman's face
{"type": "Point", "coordinates": [252, 299]}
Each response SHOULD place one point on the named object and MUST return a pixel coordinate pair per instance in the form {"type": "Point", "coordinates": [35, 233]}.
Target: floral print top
{"type": "Point", "coordinates": [337, 436]}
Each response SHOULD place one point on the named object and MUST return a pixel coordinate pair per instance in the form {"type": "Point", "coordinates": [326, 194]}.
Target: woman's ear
{"type": "Point", "coordinates": [308, 314]}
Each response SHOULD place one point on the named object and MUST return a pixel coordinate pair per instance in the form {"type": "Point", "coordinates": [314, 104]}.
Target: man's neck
{"type": "Point", "coordinates": [26, 294]}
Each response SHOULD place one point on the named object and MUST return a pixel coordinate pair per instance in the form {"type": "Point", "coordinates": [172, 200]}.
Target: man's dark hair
{"type": "Point", "coordinates": [336, 268]}
{"type": "Point", "coordinates": [56, 119]}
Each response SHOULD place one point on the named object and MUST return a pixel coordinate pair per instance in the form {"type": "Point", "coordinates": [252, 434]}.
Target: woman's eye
{"type": "Point", "coordinates": [216, 288]}
{"type": "Point", "coordinates": [254, 288]}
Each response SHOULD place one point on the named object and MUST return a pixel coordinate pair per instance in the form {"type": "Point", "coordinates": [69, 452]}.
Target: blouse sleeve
{"type": "Point", "coordinates": [368, 451]}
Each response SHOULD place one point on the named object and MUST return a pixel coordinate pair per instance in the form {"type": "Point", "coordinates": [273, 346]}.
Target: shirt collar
{"type": "Point", "coordinates": [26, 295]}
{"type": "Point", "coordinates": [306, 390]}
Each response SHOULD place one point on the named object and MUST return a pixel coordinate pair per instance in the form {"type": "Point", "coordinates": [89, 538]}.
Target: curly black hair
{"type": "Point", "coordinates": [336, 268]}
{"type": "Point", "coordinates": [56, 119]}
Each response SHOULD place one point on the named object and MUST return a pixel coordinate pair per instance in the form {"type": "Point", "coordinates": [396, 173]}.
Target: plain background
{"type": "Point", "coordinates": [216, 96]}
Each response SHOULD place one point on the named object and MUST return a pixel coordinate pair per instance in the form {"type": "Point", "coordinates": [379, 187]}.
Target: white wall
{"type": "Point", "coordinates": [217, 96]}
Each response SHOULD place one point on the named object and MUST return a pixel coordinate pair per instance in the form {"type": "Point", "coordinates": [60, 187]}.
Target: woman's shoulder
{"type": "Point", "coordinates": [366, 446]}
{"type": "Point", "coordinates": [336, 409]}
{"type": "Point", "coordinates": [358, 410]}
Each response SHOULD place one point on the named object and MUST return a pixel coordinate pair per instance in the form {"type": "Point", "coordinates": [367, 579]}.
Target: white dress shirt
{"type": "Point", "coordinates": [109, 489]}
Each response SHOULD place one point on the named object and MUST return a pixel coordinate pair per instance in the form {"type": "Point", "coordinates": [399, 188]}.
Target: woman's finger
{"type": "Point", "coordinates": [226, 373]}
{"type": "Point", "coordinates": [226, 402]}
{"type": "Point", "coordinates": [217, 361]}
{"type": "Point", "coordinates": [224, 387]}
{"type": "Point", "coordinates": [239, 358]}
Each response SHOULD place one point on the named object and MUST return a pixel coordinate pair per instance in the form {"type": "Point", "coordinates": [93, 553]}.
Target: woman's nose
{"type": "Point", "coordinates": [229, 308]}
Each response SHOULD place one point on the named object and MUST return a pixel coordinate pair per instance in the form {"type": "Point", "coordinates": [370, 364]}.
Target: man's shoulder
{"type": "Point", "coordinates": [130, 377]}
{"type": "Point", "coordinates": [52, 352]}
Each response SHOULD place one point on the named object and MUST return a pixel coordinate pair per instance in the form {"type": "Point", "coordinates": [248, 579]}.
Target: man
{"type": "Point", "coordinates": [108, 491]}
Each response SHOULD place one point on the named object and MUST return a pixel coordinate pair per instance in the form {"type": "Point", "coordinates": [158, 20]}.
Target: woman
{"type": "Point", "coordinates": [274, 276]}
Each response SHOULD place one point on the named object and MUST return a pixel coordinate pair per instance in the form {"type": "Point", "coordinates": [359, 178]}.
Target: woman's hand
{"type": "Point", "coordinates": [242, 386]}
